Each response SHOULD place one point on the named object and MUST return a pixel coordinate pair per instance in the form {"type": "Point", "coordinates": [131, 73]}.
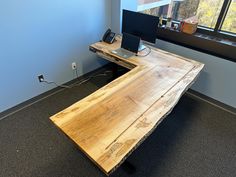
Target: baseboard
{"type": "Point", "coordinates": [211, 101]}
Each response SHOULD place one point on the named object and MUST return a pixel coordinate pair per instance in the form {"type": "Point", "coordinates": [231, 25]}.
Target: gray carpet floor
{"type": "Point", "coordinates": [195, 140]}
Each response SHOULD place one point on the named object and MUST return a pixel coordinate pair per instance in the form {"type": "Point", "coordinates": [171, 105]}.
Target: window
{"type": "Point", "coordinates": [207, 11]}
{"type": "Point", "coordinates": [216, 16]}
{"type": "Point", "coordinates": [229, 24]}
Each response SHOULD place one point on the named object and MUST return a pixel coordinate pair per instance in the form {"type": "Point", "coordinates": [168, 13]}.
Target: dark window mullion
{"type": "Point", "coordinates": [222, 15]}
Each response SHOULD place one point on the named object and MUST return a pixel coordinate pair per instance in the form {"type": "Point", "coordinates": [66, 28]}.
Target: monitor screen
{"type": "Point", "coordinates": [142, 25]}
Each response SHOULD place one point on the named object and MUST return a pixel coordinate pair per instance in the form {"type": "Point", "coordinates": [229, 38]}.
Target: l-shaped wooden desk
{"type": "Point", "coordinates": [111, 122]}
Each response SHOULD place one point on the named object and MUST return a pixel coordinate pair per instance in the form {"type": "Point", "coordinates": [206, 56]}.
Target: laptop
{"type": "Point", "coordinates": [129, 46]}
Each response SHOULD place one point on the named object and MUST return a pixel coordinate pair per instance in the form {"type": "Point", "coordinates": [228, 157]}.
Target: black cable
{"type": "Point", "coordinates": [76, 72]}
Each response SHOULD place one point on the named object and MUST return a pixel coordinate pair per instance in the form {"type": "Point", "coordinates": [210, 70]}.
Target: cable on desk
{"type": "Point", "coordinates": [118, 35]}
{"type": "Point", "coordinates": [146, 53]}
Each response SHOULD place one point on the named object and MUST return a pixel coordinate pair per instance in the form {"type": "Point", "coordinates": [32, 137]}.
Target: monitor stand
{"type": "Point", "coordinates": [141, 46]}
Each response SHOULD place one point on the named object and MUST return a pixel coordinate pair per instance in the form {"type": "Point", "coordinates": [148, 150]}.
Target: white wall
{"type": "Point", "coordinates": [45, 37]}
{"type": "Point", "coordinates": [115, 17]}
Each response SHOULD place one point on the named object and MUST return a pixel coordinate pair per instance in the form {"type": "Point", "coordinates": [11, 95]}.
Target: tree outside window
{"type": "Point", "coordinates": [230, 19]}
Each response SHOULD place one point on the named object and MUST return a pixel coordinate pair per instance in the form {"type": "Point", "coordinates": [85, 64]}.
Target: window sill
{"type": "Point", "coordinates": [200, 42]}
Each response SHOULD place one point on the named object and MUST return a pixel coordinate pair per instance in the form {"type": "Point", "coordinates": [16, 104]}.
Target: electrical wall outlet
{"type": "Point", "coordinates": [73, 65]}
{"type": "Point", "coordinates": [41, 78]}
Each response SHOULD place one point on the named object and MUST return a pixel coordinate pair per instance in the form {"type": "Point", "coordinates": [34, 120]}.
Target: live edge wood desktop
{"type": "Point", "coordinates": [113, 121]}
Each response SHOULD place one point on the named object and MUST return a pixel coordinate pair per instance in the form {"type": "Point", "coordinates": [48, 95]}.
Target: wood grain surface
{"type": "Point", "coordinates": [111, 122]}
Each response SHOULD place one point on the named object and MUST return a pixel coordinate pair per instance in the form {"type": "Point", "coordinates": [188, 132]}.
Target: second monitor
{"type": "Point", "coordinates": [141, 25]}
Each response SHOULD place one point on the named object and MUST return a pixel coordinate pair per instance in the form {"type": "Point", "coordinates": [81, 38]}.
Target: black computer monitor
{"type": "Point", "coordinates": [141, 25]}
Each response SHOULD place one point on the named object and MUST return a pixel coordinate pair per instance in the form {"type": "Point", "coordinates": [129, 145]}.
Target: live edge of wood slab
{"type": "Point", "coordinates": [111, 122]}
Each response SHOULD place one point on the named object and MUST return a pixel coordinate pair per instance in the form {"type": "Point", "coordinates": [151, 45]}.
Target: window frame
{"type": "Point", "coordinates": [222, 15]}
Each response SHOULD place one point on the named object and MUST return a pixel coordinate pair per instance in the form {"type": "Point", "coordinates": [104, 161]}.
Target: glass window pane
{"type": "Point", "coordinates": [208, 12]}
{"type": "Point", "coordinates": [230, 20]}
